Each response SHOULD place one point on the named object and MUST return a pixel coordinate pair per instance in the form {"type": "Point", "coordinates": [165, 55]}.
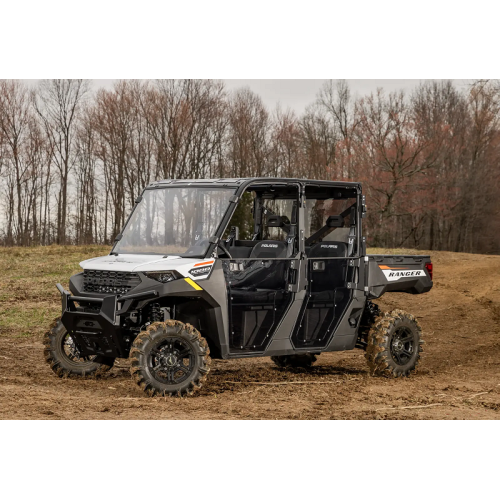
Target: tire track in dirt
{"type": "Point", "coordinates": [483, 285]}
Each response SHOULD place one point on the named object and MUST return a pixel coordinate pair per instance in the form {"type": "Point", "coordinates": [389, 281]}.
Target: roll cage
{"type": "Point", "coordinates": [243, 185]}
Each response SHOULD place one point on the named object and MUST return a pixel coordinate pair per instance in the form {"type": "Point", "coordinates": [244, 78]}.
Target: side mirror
{"type": "Point", "coordinates": [234, 234]}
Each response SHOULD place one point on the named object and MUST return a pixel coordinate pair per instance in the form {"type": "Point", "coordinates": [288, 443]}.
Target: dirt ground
{"type": "Point", "coordinates": [459, 375]}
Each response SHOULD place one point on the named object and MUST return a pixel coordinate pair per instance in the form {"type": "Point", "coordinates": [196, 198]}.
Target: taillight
{"type": "Point", "coordinates": [428, 266]}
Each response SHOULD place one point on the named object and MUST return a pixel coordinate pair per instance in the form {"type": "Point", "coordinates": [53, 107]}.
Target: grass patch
{"type": "Point", "coordinates": [29, 300]}
{"type": "Point", "coordinates": [28, 319]}
{"type": "Point", "coordinates": [396, 251]}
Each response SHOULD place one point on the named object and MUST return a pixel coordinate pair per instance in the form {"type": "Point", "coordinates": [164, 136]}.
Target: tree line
{"type": "Point", "coordinates": [73, 160]}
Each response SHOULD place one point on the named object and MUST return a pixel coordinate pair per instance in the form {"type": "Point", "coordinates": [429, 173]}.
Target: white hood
{"type": "Point", "coordinates": [141, 263]}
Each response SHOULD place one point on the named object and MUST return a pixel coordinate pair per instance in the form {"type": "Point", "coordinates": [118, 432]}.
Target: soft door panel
{"type": "Point", "coordinates": [258, 299]}
{"type": "Point", "coordinates": [327, 300]}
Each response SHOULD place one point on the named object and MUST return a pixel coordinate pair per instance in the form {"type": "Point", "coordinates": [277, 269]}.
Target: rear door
{"type": "Point", "coordinates": [331, 241]}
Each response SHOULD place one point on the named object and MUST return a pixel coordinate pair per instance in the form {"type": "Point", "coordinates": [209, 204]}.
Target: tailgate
{"type": "Point", "coordinates": [398, 273]}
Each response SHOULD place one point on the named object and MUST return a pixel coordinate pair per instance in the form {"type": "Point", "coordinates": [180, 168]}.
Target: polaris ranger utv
{"type": "Point", "coordinates": [236, 268]}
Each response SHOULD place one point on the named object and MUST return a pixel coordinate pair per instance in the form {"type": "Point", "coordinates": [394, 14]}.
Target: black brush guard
{"type": "Point", "coordinates": [98, 332]}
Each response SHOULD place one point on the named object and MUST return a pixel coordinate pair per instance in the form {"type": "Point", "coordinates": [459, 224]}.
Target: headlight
{"type": "Point", "coordinates": [163, 276]}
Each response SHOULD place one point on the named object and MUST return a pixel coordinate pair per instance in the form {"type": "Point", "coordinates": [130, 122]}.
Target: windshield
{"type": "Point", "coordinates": [175, 221]}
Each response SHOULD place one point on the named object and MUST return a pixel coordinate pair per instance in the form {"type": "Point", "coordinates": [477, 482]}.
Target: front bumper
{"type": "Point", "coordinates": [97, 332]}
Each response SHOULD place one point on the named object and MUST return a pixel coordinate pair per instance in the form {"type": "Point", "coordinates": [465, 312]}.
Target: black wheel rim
{"type": "Point", "coordinates": [72, 352]}
{"type": "Point", "coordinates": [402, 345]}
{"type": "Point", "coordinates": [172, 361]}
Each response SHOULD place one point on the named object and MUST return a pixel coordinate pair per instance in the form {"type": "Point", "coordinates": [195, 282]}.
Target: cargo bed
{"type": "Point", "coordinates": [398, 273]}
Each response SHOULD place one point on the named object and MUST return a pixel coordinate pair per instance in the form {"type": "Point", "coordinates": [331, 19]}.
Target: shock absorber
{"type": "Point", "coordinates": [155, 313]}
{"type": "Point", "coordinates": [370, 314]}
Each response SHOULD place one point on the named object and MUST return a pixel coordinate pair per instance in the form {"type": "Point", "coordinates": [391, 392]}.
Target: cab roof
{"type": "Point", "coordinates": [244, 182]}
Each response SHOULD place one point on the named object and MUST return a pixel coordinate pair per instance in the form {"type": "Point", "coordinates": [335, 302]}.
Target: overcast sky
{"type": "Point", "coordinates": [297, 94]}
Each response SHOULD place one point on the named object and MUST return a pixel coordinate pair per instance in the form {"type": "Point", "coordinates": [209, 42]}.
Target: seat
{"type": "Point", "coordinates": [269, 249]}
{"type": "Point", "coordinates": [262, 274]}
{"type": "Point", "coordinates": [328, 295]}
{"type": "Point", "coordinates": [327, 249]}
{"type": "Point", "coordinates": [269, 274]}
{"type": "Point", "coordinates": [258, 296]}
{"type": "Point", "coordinates": [331, 274]}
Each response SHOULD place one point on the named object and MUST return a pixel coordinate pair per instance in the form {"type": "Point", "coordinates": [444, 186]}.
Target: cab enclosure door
{"type": "Point", "coordinates": [331, 219]}
{"type": "Point", "coordinates": [261, 239]}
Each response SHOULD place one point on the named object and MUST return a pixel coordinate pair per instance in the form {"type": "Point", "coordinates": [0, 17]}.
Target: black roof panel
{"type": "Point", "coordinates": [250, 180]}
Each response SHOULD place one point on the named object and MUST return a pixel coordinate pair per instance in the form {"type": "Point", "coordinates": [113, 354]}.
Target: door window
{"type": "Point", "coordinates": [330, 219]}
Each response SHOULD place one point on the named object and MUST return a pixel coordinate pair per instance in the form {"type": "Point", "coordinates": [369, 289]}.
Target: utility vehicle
{"type": "Point", "coordinates": [236, 268]}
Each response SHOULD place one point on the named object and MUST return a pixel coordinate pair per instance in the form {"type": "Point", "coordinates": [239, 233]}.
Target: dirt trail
{"type": "Point", "coordinates": [459, 376]}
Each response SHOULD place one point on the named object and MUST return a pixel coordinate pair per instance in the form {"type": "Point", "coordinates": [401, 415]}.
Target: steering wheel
{"type": "Point", "coordinates": [193, 248]}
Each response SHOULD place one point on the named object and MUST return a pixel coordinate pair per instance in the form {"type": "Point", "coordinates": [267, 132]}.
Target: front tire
{"type": "Point", "coordinates": [394, 345]}
{"type": "Point", "coordinates": [64, 358]}
{"type": "Point", "coordinates": [170, 359]}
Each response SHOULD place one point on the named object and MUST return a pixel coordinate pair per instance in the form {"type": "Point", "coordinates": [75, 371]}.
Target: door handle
{"type": "Point", "coordinates": [318, 265]}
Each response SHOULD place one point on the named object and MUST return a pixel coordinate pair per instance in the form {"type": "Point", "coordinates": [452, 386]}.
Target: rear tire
{"type": "Point", "coordinates": [394, 345]}
{"type": "Point", "coordinates": [295, 361]}
{"type": "Point", "coordinates": [64, 358]}
{"type": "Point", "coordinates": [170, 359]}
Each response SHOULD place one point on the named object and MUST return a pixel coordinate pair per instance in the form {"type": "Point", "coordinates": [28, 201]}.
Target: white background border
{"type": "Point", "coordinates": [226, 39]}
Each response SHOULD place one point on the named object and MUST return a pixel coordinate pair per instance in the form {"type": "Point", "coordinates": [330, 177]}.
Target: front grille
{"type": "Point", "coordinates": [112, 282]}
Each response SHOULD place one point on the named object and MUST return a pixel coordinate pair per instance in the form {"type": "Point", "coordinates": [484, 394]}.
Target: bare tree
{"type": "Point", "coordinates": [286, 157]}
{"type": "Point", "coordinates": [186, 119]}
{"type": "Point", "coordinates": [248, 135]}
{"type": "Point", "coordinates": [114, 125]}
{"type": "Point", "coordinates": [318, 143]}
{"type": "Point", "coordinates": [15, 117]}
{"type": "Point", "coordinates": [58, 103]}
{"type": "Point", "coordinates": [335, 98]}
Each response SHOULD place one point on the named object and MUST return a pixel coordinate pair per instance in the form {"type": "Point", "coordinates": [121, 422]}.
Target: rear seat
{"type": "Point", "coordinates": [327, 249]}
{"type": "Point", "coordinates": [333, 274]}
